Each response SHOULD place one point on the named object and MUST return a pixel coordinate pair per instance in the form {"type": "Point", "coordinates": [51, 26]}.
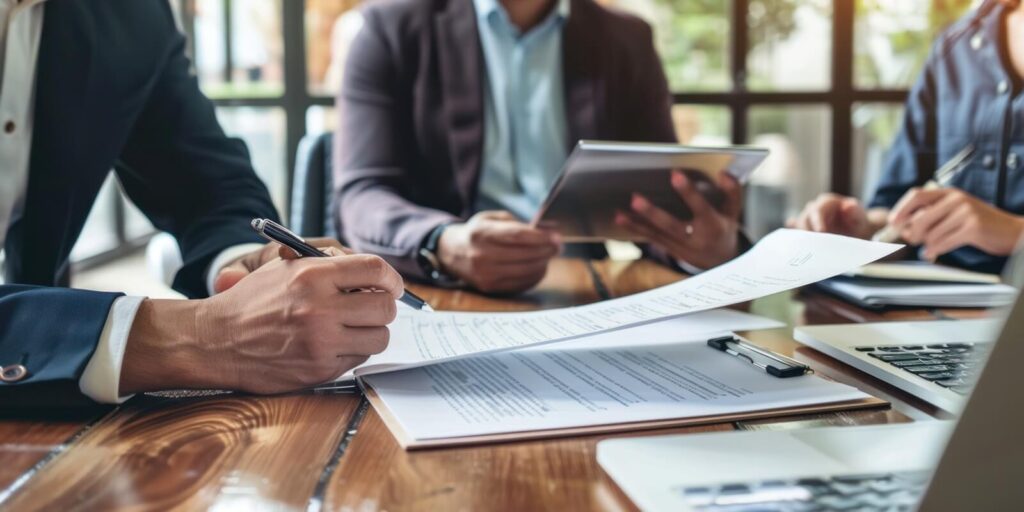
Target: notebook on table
{"type": "Point", "coordinates": [919, 284]}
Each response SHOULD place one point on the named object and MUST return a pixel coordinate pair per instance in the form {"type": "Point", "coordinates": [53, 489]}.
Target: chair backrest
{"type": "Point", "coordinates": [312, 188]}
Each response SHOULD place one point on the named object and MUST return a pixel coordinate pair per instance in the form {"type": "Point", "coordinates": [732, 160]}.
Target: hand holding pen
{"type": "Point", "coordinates": [277, 233]}
{"type": "Point", "coordinates": [901, 212]}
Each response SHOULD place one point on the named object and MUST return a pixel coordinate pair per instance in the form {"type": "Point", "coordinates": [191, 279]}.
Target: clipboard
{"type": "Point", "coordinates": [410, 444]}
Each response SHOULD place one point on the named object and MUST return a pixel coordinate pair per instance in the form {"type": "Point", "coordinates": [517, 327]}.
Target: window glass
{"type": "Point", "coordinates": [790, 45]}
{"type": "Point", "coordinates": [799, 168]}
{"type": "Point", "coordinates": [321, 119]}
{"type": "Point", "coordinates": [893, 38]}
{"type": "Point", "coordinates": [99, 235]}
{"type": "Point", "coordinates": [875, 125]}
{"type": "Point", "coordinates": [701, 125]}
{"type": "Point", "coordinates": [243, 59]}
{"type": "Point", "coordinates": [263, 130]}
{"type": "Point", "coordinates": [331, 25]}
{"type": "Point", "coordinates": [692, 37]}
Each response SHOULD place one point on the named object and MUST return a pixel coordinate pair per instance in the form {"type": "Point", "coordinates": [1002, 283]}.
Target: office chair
{"type": "Point", "coordinates": [312, 188]}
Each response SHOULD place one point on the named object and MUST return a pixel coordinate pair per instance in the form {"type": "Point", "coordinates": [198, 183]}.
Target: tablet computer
{"type": "Point", "coordinates": [600, 177]}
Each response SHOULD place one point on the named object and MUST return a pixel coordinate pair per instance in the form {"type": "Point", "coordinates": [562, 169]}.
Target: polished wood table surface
{"type": "Point", "coordinates": [309, 451]}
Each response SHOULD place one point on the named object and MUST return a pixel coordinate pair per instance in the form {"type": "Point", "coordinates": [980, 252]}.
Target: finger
{"type": "Point", "coordinates": [346, 363]}
{"type": "Point", "coordinates": [924, 220]}
{"type": "Point", "coordinates": [362, 341]}
{"type": "Point", "coordinates": [496, 215]}
{"type": "Point", "coordinates": [353, 271]}
{"type": "Point", "coordinates": [511, 233]}
{"type": "Point", "coordinates": [939, 238]}
{"type": "Point", "coordinates": [364, 309]}
{"type": "Point", "coordinates": [802, 220]}
{"type": "Point", "coordinates": [286, 253]}
{"type": "Point", "coordinates": [639, 226]}
{"type": "Point", "coordinates": [690, 196]}
{"type": "Point", "coordinates": [733, 195]}
{"type": "Point", "coordinates": [669, 226]}
{"type": "Point", "coordinates": [822, 217]}
{"type": "Point", "coordinates": [518, 253]}
{"type": "Point", "coordinates": [228, 277]}
{"type": "Point", "coordinates": [324, 243]}
{"type": "Point", "coordinates": [913, 200]}
{"type": "Point", "coordinates": [958, 238]}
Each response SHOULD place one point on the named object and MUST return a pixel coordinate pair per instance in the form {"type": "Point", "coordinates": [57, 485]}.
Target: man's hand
{"type": "Point", "coordinates": [234, 272]}
{"type": "Point", "coordinates": [496, 253]}
{"type": "Point", "coordinates": [833, 213]}
{"type": "Point", "coordinates": [288, 325]}
{"type": "Point", "coordinates": [708, 240]}
{"type": "Point", "coordinates": [944, 220]}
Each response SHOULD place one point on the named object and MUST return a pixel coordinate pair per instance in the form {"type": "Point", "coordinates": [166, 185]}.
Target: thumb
{"type": "Point", "coordinates": [228, 277]}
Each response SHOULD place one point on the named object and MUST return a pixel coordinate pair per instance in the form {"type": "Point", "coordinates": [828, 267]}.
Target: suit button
{"type": "Point", "coordinates": [1003, 86]}
{"type": "Point", "coordinates": [9, 127]}
{"type": "Point", "coordinates": [977, 41]}
{"type": "Point", "coordinates": [13, 373]}
{"type": "Point", "coordinates": [1012, 161]}
{"type": "Point", "coordinates": [988, 161]}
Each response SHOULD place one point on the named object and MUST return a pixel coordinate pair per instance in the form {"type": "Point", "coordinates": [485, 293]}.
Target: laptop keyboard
{"type": "Point", "coordinates": [886, 492]}
{"type": "Point", "coordinates": [950, 365]}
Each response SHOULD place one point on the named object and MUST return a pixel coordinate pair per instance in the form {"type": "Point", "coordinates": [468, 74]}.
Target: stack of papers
{"type": "Point", "coordinates": [457, 378]}
{"type": "Point", "coordinates": [647, 377]}
{"type": "Point", "coordinates": [782, 261]}
{"type": "Point", "coordinates": [918, 284]}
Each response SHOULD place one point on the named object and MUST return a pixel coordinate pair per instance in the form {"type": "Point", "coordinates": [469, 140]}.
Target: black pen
{"type": "Point", "coordinates": [277, 233]}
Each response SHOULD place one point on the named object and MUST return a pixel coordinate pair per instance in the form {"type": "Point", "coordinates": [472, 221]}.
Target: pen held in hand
{"type": "Point", "coordinates": [277, 233]}
{"type": "Point", "coordinates": [943, 176]}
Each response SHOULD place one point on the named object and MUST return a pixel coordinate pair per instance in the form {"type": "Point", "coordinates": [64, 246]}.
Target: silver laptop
{"type": "Point", "coordinates": [936, 361]}
{"type": "Point", "coordinates": [973, 464]}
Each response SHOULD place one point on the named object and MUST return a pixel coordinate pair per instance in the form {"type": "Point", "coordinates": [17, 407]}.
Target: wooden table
{"type": "Point", "coordinates": [332, 452]}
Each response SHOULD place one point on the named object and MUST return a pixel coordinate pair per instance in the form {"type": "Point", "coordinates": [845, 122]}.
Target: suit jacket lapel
{"type": "Point", "coordinates": [460, 58]}
{"type": "Point", "coordinates": [581, 68]}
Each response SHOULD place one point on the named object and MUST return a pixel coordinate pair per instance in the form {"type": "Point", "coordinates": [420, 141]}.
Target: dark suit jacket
{"type": "Point", "coordinates": [410, 142]}
{"type": "Point", "coordinates": [114, 91]}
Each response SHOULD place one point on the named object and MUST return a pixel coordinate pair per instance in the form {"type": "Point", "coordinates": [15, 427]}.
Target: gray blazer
{"type": "Point", "coordinates": [410, 141]}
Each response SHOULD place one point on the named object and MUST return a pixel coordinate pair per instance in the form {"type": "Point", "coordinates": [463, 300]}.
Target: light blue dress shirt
{"type": "Point", "coordinates": [525, 128]}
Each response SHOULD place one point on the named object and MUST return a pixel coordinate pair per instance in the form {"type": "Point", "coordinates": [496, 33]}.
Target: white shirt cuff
{"type": "Point", "coordinates": [101, 380]}
{"type": "Point", "coordinates": [225, 258]}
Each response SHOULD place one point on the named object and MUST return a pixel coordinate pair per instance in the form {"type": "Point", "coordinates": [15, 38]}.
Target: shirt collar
{"type": "Point", "coordinates": [486, 9]}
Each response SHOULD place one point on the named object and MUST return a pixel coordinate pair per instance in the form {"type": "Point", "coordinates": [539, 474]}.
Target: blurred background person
{"type": "Point", "coordinates": [967, 103]}
{"type": "Point", "coordinates": [456, 117]}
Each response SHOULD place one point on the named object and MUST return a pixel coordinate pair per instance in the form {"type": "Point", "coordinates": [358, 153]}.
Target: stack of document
{"type": "Point", "coordinates": [919, 284]}
{"type": "Point", "coordinates": [459, 377]}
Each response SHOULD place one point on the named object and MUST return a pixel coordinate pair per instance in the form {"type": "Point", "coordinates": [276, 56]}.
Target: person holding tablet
{"type": "Point", "coordinates": [965, 114]}
{"type": "Point", "coordinates": [457, 115]}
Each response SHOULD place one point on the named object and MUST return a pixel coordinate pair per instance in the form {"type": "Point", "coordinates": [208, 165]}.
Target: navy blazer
{"type": "Point", "coordinates": [968, 94]}
{"type": "Point", "coordinates": [115, 91]}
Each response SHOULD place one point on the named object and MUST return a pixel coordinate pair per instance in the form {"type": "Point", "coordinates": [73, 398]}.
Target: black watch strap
{"type": "Point", "coordinates": [429, 260]}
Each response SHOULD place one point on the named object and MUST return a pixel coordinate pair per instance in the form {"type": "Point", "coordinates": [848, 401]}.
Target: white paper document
{"type": "Point", "coordinates": [784, 260]}
{"type": "Point", "coordinates": [559, 387]}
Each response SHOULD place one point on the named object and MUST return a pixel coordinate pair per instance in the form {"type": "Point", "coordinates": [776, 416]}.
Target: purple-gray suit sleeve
{"type": "Point", "coordinates": [371, 174]}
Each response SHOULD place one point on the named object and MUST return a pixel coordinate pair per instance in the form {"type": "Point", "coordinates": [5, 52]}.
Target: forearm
{"type": "Point", "coordinates": [166, 351]}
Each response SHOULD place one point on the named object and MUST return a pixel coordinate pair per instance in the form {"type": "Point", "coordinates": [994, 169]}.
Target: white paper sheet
{"type": "Point", "coordinates": [556, 387]}
{"type": "Point", "coordinates": [783, 260]}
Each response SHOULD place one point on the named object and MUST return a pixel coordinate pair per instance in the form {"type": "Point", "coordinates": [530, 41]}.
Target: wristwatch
{"type": "Point", "coordinates": [430, 261]}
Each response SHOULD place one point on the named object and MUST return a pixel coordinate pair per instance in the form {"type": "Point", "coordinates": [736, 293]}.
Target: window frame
{"type": "Point", "coordinates": [840, 98]}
